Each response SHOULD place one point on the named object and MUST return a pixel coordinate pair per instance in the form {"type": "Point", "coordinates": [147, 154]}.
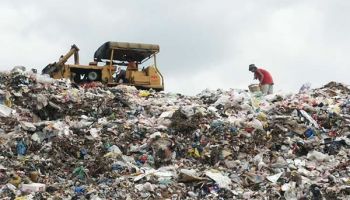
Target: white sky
{"type": "Point", "coordinates": [204, 43]}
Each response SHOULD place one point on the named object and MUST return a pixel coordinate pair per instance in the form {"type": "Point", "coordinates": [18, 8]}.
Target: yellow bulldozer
{"type": "Point", "coordinates": [106, 67]}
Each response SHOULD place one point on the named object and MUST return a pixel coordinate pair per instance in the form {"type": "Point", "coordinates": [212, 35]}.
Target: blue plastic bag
{"type": "Point", "coordinates": [21, 148]}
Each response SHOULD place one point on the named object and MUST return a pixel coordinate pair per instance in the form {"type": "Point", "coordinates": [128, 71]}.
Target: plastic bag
{"type": "Point", "coordinates": [21, 148]}
{"type": "Point", "coordinates": [45, 79]}
{"type": "Point", "coordinates": [144, 93]}
{"type": "Point", "coordinates": [305, 88]}
{"type": "Point", "coordinates": [5, 111]}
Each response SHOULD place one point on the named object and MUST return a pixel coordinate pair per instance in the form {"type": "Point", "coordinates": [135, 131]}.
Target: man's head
{"type": "Point", "coordinates": [252, 68]}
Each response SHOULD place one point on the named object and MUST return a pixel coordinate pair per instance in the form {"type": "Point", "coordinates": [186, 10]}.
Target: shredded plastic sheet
{"type": "Point", "coordinates": [5, 111]}
{"type": "Point", "coordinates": [221, 180]}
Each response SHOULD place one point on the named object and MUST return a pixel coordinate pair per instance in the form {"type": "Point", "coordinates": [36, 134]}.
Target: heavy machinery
{"type": "Point", "coordinates": [112, 55]}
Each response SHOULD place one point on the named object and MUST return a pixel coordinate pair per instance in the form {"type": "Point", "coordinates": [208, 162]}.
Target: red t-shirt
{"type": "Point", "coordinates": [267, 76]}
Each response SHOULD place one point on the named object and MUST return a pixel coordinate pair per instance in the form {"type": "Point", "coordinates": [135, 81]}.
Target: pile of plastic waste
{"type": "Point", "coordinates": [60, 140]}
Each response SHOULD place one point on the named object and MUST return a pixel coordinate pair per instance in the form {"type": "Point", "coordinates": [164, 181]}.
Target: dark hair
{"type": "Point", "coordinates": [252, 66]}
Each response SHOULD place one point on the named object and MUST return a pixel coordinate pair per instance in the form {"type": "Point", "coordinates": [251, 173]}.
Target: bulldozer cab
{"type": "Point", "coordinates": [132, 55]}
{"type": "Point", "coordinates": [112, 54]}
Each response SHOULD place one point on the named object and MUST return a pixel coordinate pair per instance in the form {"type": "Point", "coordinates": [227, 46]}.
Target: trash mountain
{"type": "Point", "coordinates": [60, 140]}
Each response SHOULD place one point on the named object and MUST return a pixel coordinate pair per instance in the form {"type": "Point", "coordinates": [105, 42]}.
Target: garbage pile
{"type": "Point", "coordinates": [59, 140]}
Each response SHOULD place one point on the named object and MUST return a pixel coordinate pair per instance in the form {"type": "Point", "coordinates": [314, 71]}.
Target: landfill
{"type": "Point", "coordinates": [60, 140]}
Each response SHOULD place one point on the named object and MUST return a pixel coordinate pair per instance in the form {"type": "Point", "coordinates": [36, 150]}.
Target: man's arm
{"type": "Point", "coordinates": [261, 76]}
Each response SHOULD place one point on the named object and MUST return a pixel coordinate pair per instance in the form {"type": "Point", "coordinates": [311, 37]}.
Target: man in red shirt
{"type": "Point", "coordinates": [265, 78]}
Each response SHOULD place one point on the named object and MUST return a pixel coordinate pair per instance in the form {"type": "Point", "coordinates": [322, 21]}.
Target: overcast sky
{"type": "Point", "coordinates": [203, 43]}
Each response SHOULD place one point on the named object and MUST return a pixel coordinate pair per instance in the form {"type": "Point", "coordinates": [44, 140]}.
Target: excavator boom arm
{"type": "Point", "coordinates": [57, 66]}
{"type": "Point", "coordinates": [73, 51]}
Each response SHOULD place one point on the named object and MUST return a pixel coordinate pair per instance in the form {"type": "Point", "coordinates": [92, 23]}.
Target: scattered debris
{"type": "Point", "coordinates": [94, 142]}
